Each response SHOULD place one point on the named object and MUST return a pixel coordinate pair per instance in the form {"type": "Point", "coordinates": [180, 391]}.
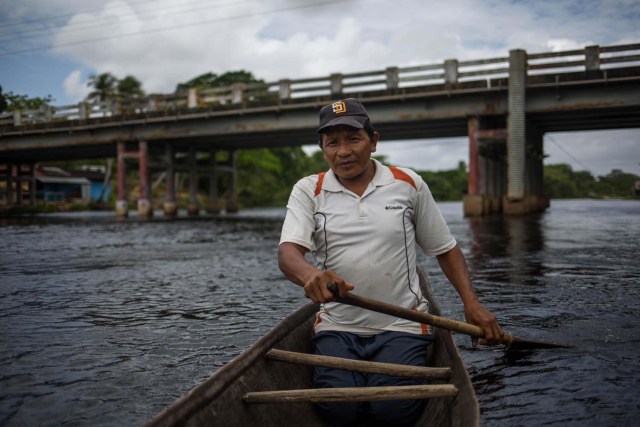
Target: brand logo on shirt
{"type": "Point", "coordinates": [392, 208]}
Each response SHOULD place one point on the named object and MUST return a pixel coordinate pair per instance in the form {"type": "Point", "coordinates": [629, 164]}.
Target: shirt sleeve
{"type": "Point", "coordinates": [432, 232]}
{"type": "Point", "coordinates": [299, 223]}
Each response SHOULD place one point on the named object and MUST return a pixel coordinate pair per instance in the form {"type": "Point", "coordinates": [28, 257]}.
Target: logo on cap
{"type": "Point", "coordinates": [339, 107]}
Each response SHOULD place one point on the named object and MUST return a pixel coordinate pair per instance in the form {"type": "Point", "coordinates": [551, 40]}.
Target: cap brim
{"type": "Point", "coordinates": [353, 121]}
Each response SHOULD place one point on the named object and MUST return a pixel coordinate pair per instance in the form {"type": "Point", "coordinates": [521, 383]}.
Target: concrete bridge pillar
{"type": "Point", "coordinates": [10, 193]}
{"type": "Point", "coordinates": [145, 208]}
{"type": "Point", "coordinates": [393, 77]}
{"type": "Point", "coordinates": [16, 175]}
{"type": "Point", "coordinates": [472, 202]}
{"type": "Point", "coordinates": [122, 206]}
{"type": "Point", "coordinates": [213, 206]}
{"type": "Point", "coordinates": [170, 207]}
{"type": "Point", "coordinates": [193, 208]}
{"type": "Point", "coordinates": [514, 201]}
{"type": "Point", "coordinates": [141, 154]}
{"type": "Point", "coordinates": [486, 157]}
{"type": "Point", "coordinates": [537, 201]}
{"type": "Point", "coordinates": [336, 85]}
{"type": "Point", "coordinates": [284, 89]}
{"type": "Point", "coordinates": [32, 183]}
{"type": "Point", "coordinates": [232, 201]}
{"type": "Point", "coordinates": [19, 184]}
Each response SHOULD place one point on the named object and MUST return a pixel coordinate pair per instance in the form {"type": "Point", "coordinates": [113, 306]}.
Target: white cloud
{"type": "Point", "coordinates": [284, 39]}
{"type": "Point", "coordinates": [74, 87]}
{"type": "Point", "coordinates": [598, 152]}
{"type": "Point", "coordinates": [165, 42]}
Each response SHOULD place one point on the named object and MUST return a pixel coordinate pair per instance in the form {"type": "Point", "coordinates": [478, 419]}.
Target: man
{"type": "Point", "coordinates": [361, 221]}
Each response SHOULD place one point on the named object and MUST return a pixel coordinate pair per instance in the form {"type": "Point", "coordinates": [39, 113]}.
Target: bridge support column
{"type": "Point", "coordinates": [22, 176]}
{"type": "Point", "coordinates": [170, 207]}
{"type": "Point", "coordinates": [145, 208]}
{"type": "Point", "coordinates": [10, 193]}
{"type": "Point", "coordinates": [473, 203]}
{"type": "Point", "coordinates": [537, 201]}
{"type": "Point", "coordinates": [486, 148]}
{"type": "Point", "coordinates": [32, 183]}
{"type": "Point", "coordinates": [19, 184]}
{"type": "Point", "coordinates": [514, 202]}
{"type": "Point", "coordinates": [232, 201]}
{"type": "Point", "coordinates": [122, 206]}
{"type": "Point", "coordinates": [193, 208]}
{"type": "Point", "coordinates": [213, 206]}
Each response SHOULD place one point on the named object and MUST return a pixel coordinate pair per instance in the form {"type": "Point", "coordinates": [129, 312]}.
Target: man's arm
{"type": "Point", "coordinates": [455, 268]}
{"type": "Point", "coordinates": [295, 267]}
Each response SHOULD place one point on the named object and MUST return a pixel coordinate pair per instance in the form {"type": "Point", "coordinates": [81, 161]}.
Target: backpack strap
{"type": "Point", "coordinates": [402, 176]}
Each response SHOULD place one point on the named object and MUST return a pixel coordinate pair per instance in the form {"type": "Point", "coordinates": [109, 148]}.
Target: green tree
{"type": "Point", "coordinates": [22, 102]}
{"type": "Point", "coordinates": [201, 82]}
{"type": "Point", "coordinates": [3, 102]}
{"type": "Point", "coordinates": [618, 183]}
{"type": "Point", "coordinates": [447, 184]}
{"type": "Point", "coordinates": [129, 88]}
{"type": "Point", "coordinates": [128, 93]}
{"type": "Point", "coordinates": [104, 87]}
{"type": "Point", "coordinates": [258, 172]}
{"type": "Point", "coordinates": [559, 181]}
{"type": "Point", "coordinates": [241, 76]}
{"type": "Point", "coordinates": [211, 80]}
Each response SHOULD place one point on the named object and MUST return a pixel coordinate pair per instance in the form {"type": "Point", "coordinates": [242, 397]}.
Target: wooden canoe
{"type": "Point", "coordinates": [221, 400]}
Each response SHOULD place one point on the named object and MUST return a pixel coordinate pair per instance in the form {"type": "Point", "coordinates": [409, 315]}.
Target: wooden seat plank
{"type": "Point", "coordinates": [421, 372]}
{"type": "Point", "coordinates": [353, 394]}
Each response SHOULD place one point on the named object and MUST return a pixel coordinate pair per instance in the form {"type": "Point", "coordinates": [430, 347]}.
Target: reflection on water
{"type": "Point", "coordinates": [569, 275]}
{"type": "Point", "coordinates": [94, 311]}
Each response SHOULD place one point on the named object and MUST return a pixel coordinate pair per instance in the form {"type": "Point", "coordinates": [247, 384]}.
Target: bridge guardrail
{"type": "Point", "coordinates": [450, 72]}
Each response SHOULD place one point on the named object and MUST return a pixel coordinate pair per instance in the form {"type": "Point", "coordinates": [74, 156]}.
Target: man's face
{"type": "Point", "coordinates": [347, 150]}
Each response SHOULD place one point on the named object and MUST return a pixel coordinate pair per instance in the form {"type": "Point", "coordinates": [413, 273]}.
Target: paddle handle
{"type": "Point", "coordinates": [417, 316]}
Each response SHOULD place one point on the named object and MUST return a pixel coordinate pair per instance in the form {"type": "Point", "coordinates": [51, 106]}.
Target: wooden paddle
{"type": "Point", "coordinates": [512, 342]}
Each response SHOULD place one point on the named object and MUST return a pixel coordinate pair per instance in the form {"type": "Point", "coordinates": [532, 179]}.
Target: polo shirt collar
{"type": "Point", "coordinates": [383, 176]}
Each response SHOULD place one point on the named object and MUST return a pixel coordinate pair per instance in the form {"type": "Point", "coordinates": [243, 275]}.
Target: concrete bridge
{"type": "Point", "coordinates": [503, 105]}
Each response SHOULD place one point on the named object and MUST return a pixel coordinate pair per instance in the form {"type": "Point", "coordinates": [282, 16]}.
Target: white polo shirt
{"type": "Point", "coordinates": [369, 241]}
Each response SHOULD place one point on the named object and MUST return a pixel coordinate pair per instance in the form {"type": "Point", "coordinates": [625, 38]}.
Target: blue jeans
{"type": "Point", "coordinates": [389, 347]}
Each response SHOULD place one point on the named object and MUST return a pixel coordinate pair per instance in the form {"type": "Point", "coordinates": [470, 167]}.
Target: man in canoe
{"type": "Point", "coordinates": [362, 220]}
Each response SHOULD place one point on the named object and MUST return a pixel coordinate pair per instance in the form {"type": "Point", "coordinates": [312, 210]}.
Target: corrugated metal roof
{"type": "Point", "coordinates": [63, 180]}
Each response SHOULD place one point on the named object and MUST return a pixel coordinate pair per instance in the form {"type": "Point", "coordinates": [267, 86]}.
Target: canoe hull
{"type": "Point", "coordinates": [218, 400]}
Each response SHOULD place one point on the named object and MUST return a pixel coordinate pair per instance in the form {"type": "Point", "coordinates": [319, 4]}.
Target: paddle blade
{"type": "Point", "coordinates": [526, 344]}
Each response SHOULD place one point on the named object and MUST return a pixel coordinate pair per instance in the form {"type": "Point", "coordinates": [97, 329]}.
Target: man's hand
{"type": "Point", "coordinates": [478, 315]}
{"type": "Point", "coordinates": [296, 268]}
{"type": "Point", "coordinates": [316, 286]}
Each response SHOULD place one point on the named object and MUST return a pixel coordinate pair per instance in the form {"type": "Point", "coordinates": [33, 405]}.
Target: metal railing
{"type": "Point", "coordinates": [450, 73]}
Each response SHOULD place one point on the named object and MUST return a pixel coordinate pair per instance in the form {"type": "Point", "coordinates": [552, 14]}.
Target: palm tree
{"type": "Point", "coordinates": [104, 87]}
{"type": "Point", "coordinates": [129, 88]}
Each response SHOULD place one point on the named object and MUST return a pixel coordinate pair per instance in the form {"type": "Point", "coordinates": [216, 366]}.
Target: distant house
{"type": "Point", "coordinates": [54, 184]}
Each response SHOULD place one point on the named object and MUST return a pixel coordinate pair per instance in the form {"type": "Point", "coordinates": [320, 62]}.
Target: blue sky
{"type": "Point", "coordinates": [51, 47]}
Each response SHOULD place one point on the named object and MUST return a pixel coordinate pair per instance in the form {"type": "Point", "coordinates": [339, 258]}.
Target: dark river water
{"type": "Point", "coordinates": [105, 322]}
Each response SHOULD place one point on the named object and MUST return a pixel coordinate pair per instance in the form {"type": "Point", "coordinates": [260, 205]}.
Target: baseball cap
{"type": "Point", "coordinates": [348, 112]}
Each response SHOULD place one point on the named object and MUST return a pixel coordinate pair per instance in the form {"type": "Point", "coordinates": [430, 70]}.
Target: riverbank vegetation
{"type": "Point", "coordinates": [265, 178]}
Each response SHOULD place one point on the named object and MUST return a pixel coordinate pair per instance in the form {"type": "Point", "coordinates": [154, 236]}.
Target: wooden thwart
{"type": "Point", "coordinates": [353, 394]}
{"type": "Point", "coordinates": [421, 372]}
